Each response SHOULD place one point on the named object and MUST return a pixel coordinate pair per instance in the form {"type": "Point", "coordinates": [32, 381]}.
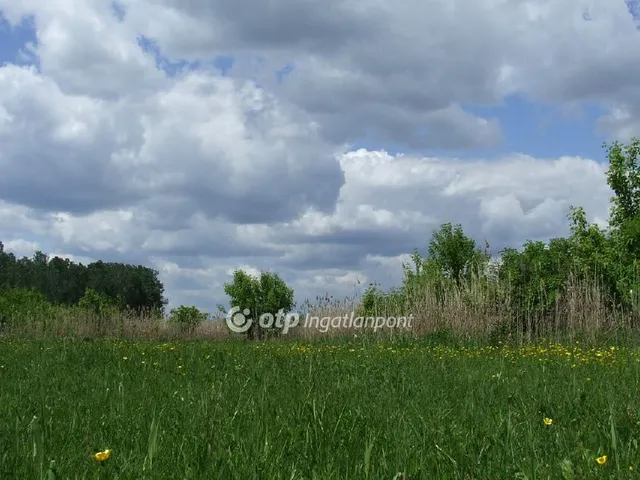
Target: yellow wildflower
{"type": "Point", "coordinates": [102, 456]}
{"type": "Point", "coordinates": [547, 421]}
{"type": "Point", "coordinates": [601, 460]}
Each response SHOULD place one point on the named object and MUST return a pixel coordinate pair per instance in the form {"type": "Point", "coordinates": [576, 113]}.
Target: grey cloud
{"type": "Point", "coordinates": [352, 65]}
{"type": "Point", "coordinates": [199, 174]}
{"type": "Point", "coordinates": [358, 243]}
{"type": "Point", "coordinates": [244, 24]}
{"type": "Point", "coordinates": [272, 199]}
{"type": "Point", "coordinates": [316, 256]}
{"type": "Point", "coordinates": [214, 243]}
{"type": "Point", "coordinates": [44, 186]}
{"type": "Point", "coordinates": [251, 160]}
{"type": "Point", "coordinates": [355, 66]}
{"type": "Point", "coordinates": [57, 150]}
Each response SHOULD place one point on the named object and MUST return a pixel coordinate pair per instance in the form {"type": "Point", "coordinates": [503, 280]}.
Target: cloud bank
{"type": "Point", "coordinates": [124, 138]}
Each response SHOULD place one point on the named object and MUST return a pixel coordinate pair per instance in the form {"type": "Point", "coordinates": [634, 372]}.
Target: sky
{"type": "Point", "coordinates": [323, 141]}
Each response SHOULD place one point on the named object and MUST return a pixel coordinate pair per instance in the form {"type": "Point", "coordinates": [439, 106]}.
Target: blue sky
{"type": "Point", "coordinates": [14, 38]}
{"type": "Point", "coordinates": [533, 128]}
{"type": "Point", "coordinates": [330, 142]}
{"type": "Point", "coordinates": [545, 131]}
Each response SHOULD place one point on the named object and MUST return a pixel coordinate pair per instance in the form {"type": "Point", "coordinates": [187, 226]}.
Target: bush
{"type": "Point", "coordinates": [376, 302]}
{"type": "Point", "coordinates": [96, 302]}
{"type": "Point", "coordinates": [267, 293]}
{"type": "Point", "coordinates": [187, 318]}
{"type": "Point", "coordinates": [19, 306]}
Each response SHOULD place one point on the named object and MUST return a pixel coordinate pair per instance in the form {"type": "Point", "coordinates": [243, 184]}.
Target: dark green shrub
{"type": "Point", "coordinates": [21, 306]}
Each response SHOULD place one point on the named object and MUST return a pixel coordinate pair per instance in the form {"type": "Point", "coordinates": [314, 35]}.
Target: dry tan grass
{"type": "Point", "coordinates": [468, 311]}
{"type": "Point", "coordinates": [472, 310]}
{"type": "Point", "coordinates": [76, 324]}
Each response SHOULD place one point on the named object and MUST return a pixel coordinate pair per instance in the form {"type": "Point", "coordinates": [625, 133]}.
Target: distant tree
{"type": "Point", "coordinates": [97, 303]}
{"type": "Point", "coordinates": [377, 302]}
{"type": "Point", "coordinates": [266, 294]}
{"type": "Point", "coordinates": [64, 282]}
{"type": "Point", "coordinates": [187, 318]}
{"type": "Point", "coordinates": [19, 306]}
{"type": "Point", "coordinates": [456, 254]}
{"type": "Point", "coordinates": [623, 177]}
{"type": "Point", "coordinates": [536, 277]}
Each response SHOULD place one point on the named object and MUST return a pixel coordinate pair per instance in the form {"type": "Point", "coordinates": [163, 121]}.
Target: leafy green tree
{"type": "Point", "coordinates": [535, 278]}
{"type": "Point", "coordinates": [64, 282]}
{"type": "Point", "coordinates": [134, 288]}
{"type": "Point", "coordinates": [590, 245]}
{"type": "Point", "coordinates": [623, 176]}
{"type": "Point", "coordinates": [187, 318]}
{"type": "Point", "coordinates": [455, 253]}
{"type": "Point", "coordinates": [594, 254]}
{"type": "Point", "coordinates": [422, 275]}
{"type": "Point", "coordinates": [266, 294]}
{"type": "Point", "coordinates": [376, 302]}
{"type": "Point", "coordinates": [97, 303]}
{"type": "Point", "coordinates": [19, 306]}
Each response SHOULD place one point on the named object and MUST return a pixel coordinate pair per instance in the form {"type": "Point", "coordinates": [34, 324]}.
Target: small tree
{"type": "Point", "coordinates": [535, 279]}
{"type": "Point", "coordinates": [623, 176]}
{"type": "Point", "coordinates": [187, 318]}
{"type": "Point", "coordinates": [266, 294]}
{"type": "Point", "coordinates": [19, 306]}
{"type": "Point", "coordinates": [376, 302]}
{"type": "Point", "coordinates": [98, 303]}
{"type": "Point", "coordinates": [455, 253]}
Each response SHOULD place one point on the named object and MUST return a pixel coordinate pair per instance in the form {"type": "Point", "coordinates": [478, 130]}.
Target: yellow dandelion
{"type": "Point", "coordinates": [102, 456]}
{"type": "Point", "coordinates": [601, 460]}
{"type": "Point", "coordinates": [547, 421]}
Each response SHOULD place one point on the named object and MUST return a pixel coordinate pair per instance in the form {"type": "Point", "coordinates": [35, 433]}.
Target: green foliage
{"type": "Point", "coordinates": [422, 275]}
{"type": "Point", "coordinates": [623, 176]}
{"type": "Point", "coordinates": [590, 246]}
{"type": "Point", "coordinates": [455, 254]}
{"type": "Point", "coordinates": [98, 303]}
{"type": "Point", "coordinates": [376, 302]}
{"type": "Point", "coordinates": [452, 262]}
{"type": "Point", "coordinates": [539, 275]}
{"type": "Point", "coordinates": [536, 278]}
{"type": "Point", "coordinates": [64, 282]}
{"type": "Point", "coordinates": [530, 285]}
{"type": "Point", "coordinates": [187, 317]}
{"type": "Point", "coordinates": [266, 294]}
{"type": "Point", "coordinates": [19, 306]}
{"type": "Point", "coordinates": [534, 282]}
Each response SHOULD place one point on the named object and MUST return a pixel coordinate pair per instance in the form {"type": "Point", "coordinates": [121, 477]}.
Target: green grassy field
{"type": "Point", "coordinates": [320, 410]}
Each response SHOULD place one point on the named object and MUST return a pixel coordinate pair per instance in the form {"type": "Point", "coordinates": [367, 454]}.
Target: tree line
{"type": "Point", "coordinates": [63, 282]}
{"type": "Point", "coordinates": [541, 286]}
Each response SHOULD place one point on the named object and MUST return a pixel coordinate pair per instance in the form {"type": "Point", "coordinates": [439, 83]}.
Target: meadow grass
{"type": "Point", "coordinates": [356, 409]}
